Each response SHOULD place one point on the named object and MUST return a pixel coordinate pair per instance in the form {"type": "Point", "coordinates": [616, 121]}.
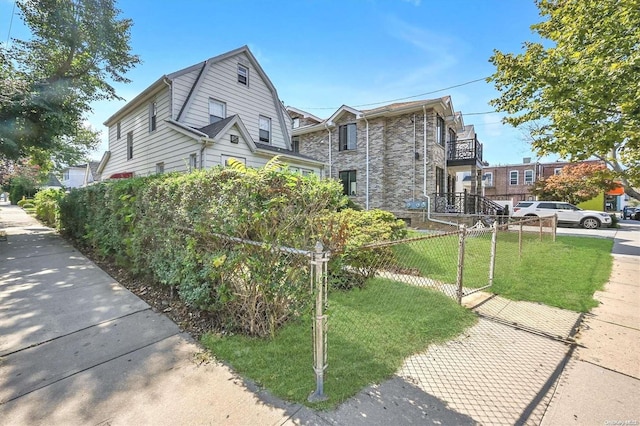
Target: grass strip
{"type": "Point", "coordinates": [564, 274]}
{"type": "Point", "coordinates": [370, 333]}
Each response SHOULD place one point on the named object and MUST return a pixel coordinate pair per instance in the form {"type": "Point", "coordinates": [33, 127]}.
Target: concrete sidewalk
{"type": "Point", "coordinates": [78, 348]}
{"type": "Point", "coordinates": [601, 383]}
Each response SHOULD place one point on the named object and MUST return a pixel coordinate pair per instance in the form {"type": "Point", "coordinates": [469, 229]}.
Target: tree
{"type": "Point", "coordinates": [575, 183]}
{"type": "Point", "coordinates": [578, 94]}
{"type": "Point", "coordinates": [25, 180]}
{"type": "Point", "coordinates": [48, 82]}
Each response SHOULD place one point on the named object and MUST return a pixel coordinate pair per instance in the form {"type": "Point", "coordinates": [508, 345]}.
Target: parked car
{"type": "Point", "coordinates": [627, 211]}
{"type": "Point", "coordinates": [567, 213]}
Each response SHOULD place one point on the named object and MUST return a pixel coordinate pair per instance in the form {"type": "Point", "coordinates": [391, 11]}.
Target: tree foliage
{"type": "Point", "coordinates": [575, 183]}
{"type": "Point", "coordinates": [76, 50]}
{"type": "Point", "coordinates": [579, 91]}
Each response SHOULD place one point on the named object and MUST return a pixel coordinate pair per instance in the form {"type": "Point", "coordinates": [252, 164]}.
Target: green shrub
{"type": "Point", "coordinates": [169, 227]}
{"type": "Point", "coordinates": [614, 221]}
{"type": "Point", "coordinates": [47, 206]}
{"type": "Point", "coordinates": [27, 205]}
{"type": "Point", "coordinates": [24, 201]}
{"type": "Point", "coordinates": [351, 230]}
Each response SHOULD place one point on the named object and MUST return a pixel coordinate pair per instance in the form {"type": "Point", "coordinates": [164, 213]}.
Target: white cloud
{"type": "Point", "coordinates": [435, 46]}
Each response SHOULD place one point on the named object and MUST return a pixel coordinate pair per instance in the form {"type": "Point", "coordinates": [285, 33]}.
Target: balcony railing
{"type": "Point", "coordinates": [465, 149]}
{"type": "Point", "coordinates": [464, 203]}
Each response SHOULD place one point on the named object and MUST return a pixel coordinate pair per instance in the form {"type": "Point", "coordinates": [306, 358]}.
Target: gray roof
{"type": "Point", "coordinates": [53, 181]}
{"type": "Point", "coordinates": [213, 129]}
{"type": "Point", "coordinates": [285, 151]}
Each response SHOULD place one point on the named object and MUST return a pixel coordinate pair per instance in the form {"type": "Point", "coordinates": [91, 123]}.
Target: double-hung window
{"type": "Point", "coordinates": [129, 145]}
{"type": "Point", "coordinates": [347, 137]}
{"type": "Point", "coordinates": [265, 129]}
{"type": "Point", "coordinates": [528, 177]}
{"type": "Point", "coordinates": [217, 111]}
{"type": "Point", "coordinates": [513, 177]}
{"type": "Point", "coordinates": [295, 143]}
{"type": "Point", "coordinates": [153, 112]}
{"type": "Point", "coordinates": [243, 75]}
{"type": "Point", "coordinates": [193, 162]}
{"type": "Point", "coordinates": [348, 178]}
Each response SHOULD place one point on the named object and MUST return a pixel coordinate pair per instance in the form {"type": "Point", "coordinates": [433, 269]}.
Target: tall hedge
{"type": "Point", "coordinates": [176, 228]}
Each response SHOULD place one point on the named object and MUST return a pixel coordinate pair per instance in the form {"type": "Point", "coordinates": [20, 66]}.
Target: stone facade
{"type": "Point", "coordinates": [396, 173]}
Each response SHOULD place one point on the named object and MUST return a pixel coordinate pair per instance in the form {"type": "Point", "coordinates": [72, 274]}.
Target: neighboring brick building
{"type": "Point", "coordinates": [392, 156]}
{"type": "Point", "coordinates": [515, 181]}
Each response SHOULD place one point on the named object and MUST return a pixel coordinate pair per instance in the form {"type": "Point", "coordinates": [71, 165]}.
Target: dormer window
{"type": "Point", "coordinates": [243, 75]}
{"type": "Point", "coordinates": [296, 122]}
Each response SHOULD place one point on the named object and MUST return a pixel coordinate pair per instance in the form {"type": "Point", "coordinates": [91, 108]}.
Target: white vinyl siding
{"type": "Point", "coordinates": [181, 88]}
{"type": "Point", "coordinates": [241, 150]}
{"type": "Point", "coordinates": [165, 145]}
{"type": "Point", "coordinates": [220, 82]}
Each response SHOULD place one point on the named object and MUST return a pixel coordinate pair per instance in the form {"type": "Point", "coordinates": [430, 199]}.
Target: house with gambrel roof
{"type": "Point", "coordinates": [202, 116]}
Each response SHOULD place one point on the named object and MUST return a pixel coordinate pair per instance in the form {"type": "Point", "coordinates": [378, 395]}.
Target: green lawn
{"type": "Point", "coordinates": [370, 332]}
{"type": "Point", "coordinates": [564, 274]}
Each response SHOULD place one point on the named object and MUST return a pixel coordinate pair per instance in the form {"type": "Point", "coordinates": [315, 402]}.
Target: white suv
{"type": "Point", "coordinates": [567, 213]}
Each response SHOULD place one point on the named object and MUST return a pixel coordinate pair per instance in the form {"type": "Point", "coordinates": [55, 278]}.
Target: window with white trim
{"type": "Point", "coordinates": [217, 111]}
{"type": "Point", "coordinates": [488, 179]}
{"type": "Point", "coordinates": [159, 168]}
{"type": "Point", "coordinates": [243, 75]}
{"type": "Point", "coordinates": [265, 129]}
{"type": "Point", "coordinates": [129, 145]}
{"type": "Point", "coordinates": [193, 162]}
{"type": "Point", "coordinates": [296, 122]}
{"type": "Point", "coordinates": [513, 177]}
{"type": "Point", "coordinates": [295, 143]}
{"type": "Point", "coordinates": [528, 177]}
{"type": "Point", "coordinates": [224, 159]}
{"type": "Point", "coordinates": [347, 137]}
{"type": "Point", "coordinates": [153, 113]}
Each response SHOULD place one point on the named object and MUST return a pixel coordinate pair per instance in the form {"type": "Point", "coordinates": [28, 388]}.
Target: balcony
{"type": "Point", "coordinates": [464, 152]}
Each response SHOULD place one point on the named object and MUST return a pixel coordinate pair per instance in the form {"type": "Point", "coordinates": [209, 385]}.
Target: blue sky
{"type": "Point", "coordinates": [322, 54]}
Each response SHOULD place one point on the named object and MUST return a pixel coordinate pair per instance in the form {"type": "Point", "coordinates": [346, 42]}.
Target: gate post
{"type": "Point", "coordinates": [319, 260]}
{"type": "Point", "coordinates": [461, 240]}
{"type": "Point", "coordinates": [492, 261]}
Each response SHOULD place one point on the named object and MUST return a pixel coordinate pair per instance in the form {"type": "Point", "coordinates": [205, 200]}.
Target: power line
{"type": "Point", "coordinates": [13, 12]}
{"type": "Point", "coordinates": [407, 97]}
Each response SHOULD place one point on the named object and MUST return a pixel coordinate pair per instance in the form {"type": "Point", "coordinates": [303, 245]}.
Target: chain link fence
{"type": "Point", "coordinates": [371, 308]}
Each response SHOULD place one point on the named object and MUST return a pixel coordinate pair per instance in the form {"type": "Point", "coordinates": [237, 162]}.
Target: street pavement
{"type": "Point", "coordinates": [78, 348]}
